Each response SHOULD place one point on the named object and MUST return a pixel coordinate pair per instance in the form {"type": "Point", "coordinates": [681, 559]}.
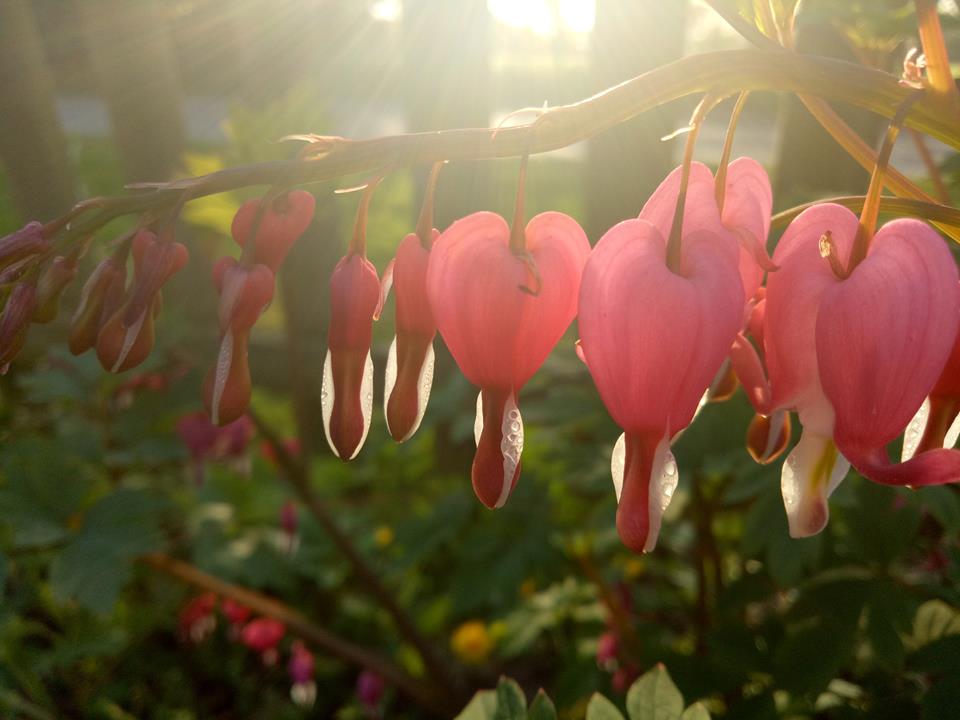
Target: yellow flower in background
{"type": "Point", "coordinates": [471, 642]}
{"type": "Point", "coordinates": [383, 536]}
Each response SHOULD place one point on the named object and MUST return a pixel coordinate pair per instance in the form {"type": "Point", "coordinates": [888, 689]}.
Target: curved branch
{"type": "Point", "coordinates": [722, 73]}
{"type": "Point", "coordinates": [418, 691]}
{"type": "Point", "coordinates": [941, 214]}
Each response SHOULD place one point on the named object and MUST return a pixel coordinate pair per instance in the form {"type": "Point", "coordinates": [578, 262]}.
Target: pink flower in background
{"type": "Point", "coordinates": [197, 619]}
{"type": "Point", "coordinates": [301, 668]}
{"type": "Point", "coordinates": [370, 689]}
{"type": "Point", "coordinates": [207, 442]}
{"type": "Point", "coordinates": [262, 635]}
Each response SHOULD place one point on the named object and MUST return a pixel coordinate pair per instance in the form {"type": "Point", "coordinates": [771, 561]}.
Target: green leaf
{"type": "Point", "coordinates": [542, 707]}
{"type": "Point", "coordinates": [942, 502]}
{"type": "Point", "coordinates": [95, 564]}
{"type": "Point", "coordinates": [483, 706]}
{"type": "Point", "coordinates": [511, 702]}
{"type": "Point", "coordinates": [934, 619]}
{"type": "Point", "coordinates": [695, 712]}
{"type": "Point", "coordinates": [602, 709]}
{"type": "Point", "coordinates": [41, 489]}
{"type": "Point", "coordinates": [654, 697]}
{"type": "Point", "coordinates": [942, 700]}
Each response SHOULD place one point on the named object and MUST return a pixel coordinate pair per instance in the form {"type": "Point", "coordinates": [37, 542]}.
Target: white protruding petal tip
{"type": "Point", "coordinates": [478, 420]}
{"type": "Point", "coordinates": [366, 402]}
{"type": "Point", "coordinates": [810, 474]}
{"type": "Point", "coordinates": [617, 461]}
{"type": "Point", "coordinates": [664, 479]}
{"type": "Point", "coordinates": [511, 445]}
{"type": "Point", "coordinates": [389, 380]}
{"type": "Point", "coordinates": [326, 399]}
{"type": "Point", "coordinates": [128, 340]}
{"type": "Point", "coordinates": [914, 432]}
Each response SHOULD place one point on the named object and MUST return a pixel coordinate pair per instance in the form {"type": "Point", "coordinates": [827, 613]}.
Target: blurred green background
{"type": "Point", "coordinates": [861, 621]}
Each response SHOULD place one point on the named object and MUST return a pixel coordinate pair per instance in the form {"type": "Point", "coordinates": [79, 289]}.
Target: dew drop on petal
{"type": "Point", "coordinates": [664, 478]}
{"type": "Point", "coordinates": [511, 445]}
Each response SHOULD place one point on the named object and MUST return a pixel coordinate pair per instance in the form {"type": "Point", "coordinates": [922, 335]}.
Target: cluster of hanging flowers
{"type": "Point", "coordinates": [855, 330]}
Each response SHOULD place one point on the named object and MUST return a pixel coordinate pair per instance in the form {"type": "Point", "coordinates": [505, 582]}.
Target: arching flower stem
{"type": "Point", "coordinates": [425, 221]}
{"type": "Point", "coordinates": [721, 176]}
{"type": "Point", "coordinates": [708, 102]}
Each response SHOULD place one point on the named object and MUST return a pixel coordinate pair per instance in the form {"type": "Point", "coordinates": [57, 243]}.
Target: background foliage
{"type": "Point", "coordinates": [861, 621]}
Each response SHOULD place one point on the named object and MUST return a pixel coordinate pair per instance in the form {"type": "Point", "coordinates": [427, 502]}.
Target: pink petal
{"type": "Point", "coordinates": [793, 300]}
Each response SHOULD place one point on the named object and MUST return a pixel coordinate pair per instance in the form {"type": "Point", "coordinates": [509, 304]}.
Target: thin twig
{"type": "Point", "coordinates": [422, 693]}
{"type": "Point", "coordinates": [295, 473]}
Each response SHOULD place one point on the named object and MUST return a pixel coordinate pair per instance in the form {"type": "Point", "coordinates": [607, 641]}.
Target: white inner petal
{"type": "Point", "coordinates": [478, 420]}
{"type": "Point", "coordinates": [129, 339]}
{"type": "Point", "coordinates": [424, 384]}
{"type": "Point", "coordinates": [953, 432]}
{"type": "Point", "coordinates": [807, 480]}
{"type": "Point", "coordinates": [617, 461]}
{"type": "Point", "coordinates": [915, 430]}
{"type": "Point", "coordinates": [390, 379]}
{"type": "Point", "coordinates": [511, 445]}
{"type": "Point", "coordinates": [326, 399]}
{"type": "Point", "coordinates": [664, 478]}
{"type": "Point", "coordinates": [366, 401]}
{"type": "Point", "coordinates": [221, 373]}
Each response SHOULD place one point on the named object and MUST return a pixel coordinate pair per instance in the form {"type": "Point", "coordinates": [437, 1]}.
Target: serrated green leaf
{"type": "Point", "coordinates": [695, 712]}
{"type": "Point", "coordinates": [600, 708]}
{"type": "Point", "coordinates": [511, 702]}
{"type": "Point", "coordinates": [95, 564]}
{"type": "Point", "coordinates": [654, 697]}
{"type": "Point", "coordinates": [483, 706]}
{"type": "Point", "coordinates": [542, 707]}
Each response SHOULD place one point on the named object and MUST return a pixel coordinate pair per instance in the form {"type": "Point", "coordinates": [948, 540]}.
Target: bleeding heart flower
{"type": "Point", "coordinates": [15, 318]}
{"type": "Point", "coordinates": [279, 224]}
{"type": "Point", "coordinates": [26, 242]}
{"type": "Point", "coordinates": [855, 352]}
{"type": "Point", "coordinates": [301, 669]}
{"type": "Point", "coordinates": [501, 308]}
{"type": "Point", "coordinates": [126, 338]}
{"type": "Point", "coordinates": [53, 281]}
{"type": "Point", "coordinates": [244, 293]}
{"type": "Point", "coordinates": [653, 338]}
{"type": "Point", "coordinates": [100, 298]}
{"type": "Point", "coordinates": [355, 300]}
{"type": "Point", "coordinates": [409, 373]}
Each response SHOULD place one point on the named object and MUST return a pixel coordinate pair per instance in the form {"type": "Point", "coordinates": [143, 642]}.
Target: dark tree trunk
{"type": "Point", "coordinates": [625, 164]}
{"type": "Point", "coordinates": [136, 72]}
{"type": "Point", "coordinates": [33, 147]}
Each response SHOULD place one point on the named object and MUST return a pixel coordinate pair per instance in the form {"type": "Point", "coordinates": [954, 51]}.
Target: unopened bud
{"type": "Point", "coordinates": [15, 319]}
{"type": "Point", "coordinates": [54, 280]}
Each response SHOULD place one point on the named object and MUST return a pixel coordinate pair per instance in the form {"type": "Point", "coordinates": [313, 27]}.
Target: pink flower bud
{"type": "Point", "coordinates": [22, 243]}
{"type": "Point", "coordinates": [608, 647]}
{"type": "Point", "coordinates": [279, 225]}
{"type": "Point", "coordinates": [263, 634]}
{"type": "Point", "coordinates": [53, 281]}
{"type": "Point", "coordinates": [15, 319]}
{"type": "Point", "coordinates": [197, 619]}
